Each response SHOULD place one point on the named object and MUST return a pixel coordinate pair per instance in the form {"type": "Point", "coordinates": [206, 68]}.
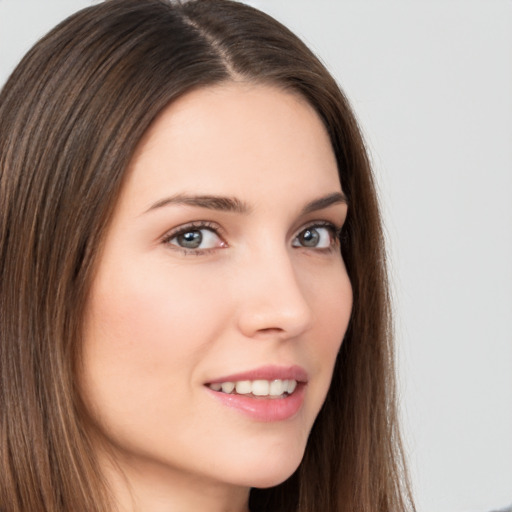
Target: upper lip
{"type": "Point", "coordinates": [269, 372]}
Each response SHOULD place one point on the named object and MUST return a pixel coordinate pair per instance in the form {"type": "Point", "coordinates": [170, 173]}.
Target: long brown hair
{"type": "Point", "coordinates": [71, 115]}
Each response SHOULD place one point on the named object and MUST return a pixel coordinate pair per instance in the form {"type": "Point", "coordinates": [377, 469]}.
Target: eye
{"type": "Point", "coordinates": [322, 236]}
{"type": "Point", "coordinates": [195, 238]}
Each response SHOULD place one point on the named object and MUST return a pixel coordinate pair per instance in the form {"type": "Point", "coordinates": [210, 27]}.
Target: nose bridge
{"type": "Point", "coordinates": [273, 300]}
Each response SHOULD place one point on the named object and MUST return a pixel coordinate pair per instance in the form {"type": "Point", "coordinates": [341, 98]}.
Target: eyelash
{"type": "Point", "coordinates": [187, 228]}
{"type": "Point", "coordinates": [335, 233]}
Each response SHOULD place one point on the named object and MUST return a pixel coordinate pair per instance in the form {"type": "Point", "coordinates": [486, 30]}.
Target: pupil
{"type": "Point", "coordinates": [190, 240]}
{"type": "Point", "coordinates": [310, 238]}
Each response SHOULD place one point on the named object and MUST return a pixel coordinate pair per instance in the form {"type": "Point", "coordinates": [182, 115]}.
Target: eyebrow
{"type": "Point", "coordinates": [232, 204]}
{"type": "Point", "coordinates": [220, 203]}
{"type": "Point", "coordinates": [325, 202]}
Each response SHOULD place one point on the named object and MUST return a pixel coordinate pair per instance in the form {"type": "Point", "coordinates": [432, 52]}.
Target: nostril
{"type": "Point", "coordinates": [271, 330]}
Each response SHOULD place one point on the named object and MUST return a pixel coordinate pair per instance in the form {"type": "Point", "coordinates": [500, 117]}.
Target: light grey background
{"type": "Point", "coordinates": [431, 82]}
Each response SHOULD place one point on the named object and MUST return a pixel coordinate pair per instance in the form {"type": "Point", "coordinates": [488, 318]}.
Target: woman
{"type": "Point", "coordinates": [194, 312]}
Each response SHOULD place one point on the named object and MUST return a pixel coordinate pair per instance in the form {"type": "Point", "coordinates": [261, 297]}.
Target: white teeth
{"type": "Point", "coordinates": [274, 388]}
{"type": "Point", "coordinates": [243, 387]}
{"type": "Point", "coordinates": [260, 387]}
{"type": "Point", "coordinates": [278, 387]}
{"type": "Point", "coordinates": [292, 384]}
{"type": "Point", "coordinates": [227, 387]}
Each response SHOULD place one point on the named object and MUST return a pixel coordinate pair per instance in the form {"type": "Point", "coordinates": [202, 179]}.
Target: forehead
{"type": "Point", "coordinates": [234, 138]}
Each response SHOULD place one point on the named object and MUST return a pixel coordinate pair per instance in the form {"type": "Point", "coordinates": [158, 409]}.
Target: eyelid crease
{"type": "Point", "coordinates": [334, 227]}
{"type": "Point", "coordinates": [334, 237]}
{"type": "Point", "coordinates": [192, 226]}
{"type": "Point", "coordinates": [337, 227]}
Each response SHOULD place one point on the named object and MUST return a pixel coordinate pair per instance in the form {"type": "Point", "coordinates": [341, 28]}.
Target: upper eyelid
{"type": "Point", "coordinates": [336, 232]}
{"type": "Point", "coordinates": [192, 226]}
{"type": "Point", "coordinates": [220, 231]}
{"type": "Point", "coordinates": [321, 223]}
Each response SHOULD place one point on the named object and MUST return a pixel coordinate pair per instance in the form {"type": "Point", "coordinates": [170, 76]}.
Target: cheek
{"type": "Point", "coordinates": [137, 311]}
{"type": "Point", "coordinates": [332, 309]}
{"type": "Point", "coordinates": [144, 336]}
{"type": "Point", "coordinates": [331, 301]}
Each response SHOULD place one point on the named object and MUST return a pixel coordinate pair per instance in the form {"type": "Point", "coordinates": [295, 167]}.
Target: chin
{"type": "Point", "coordinates": [272, 471]}
{"type": "Point", "coordinates": [267, 482]}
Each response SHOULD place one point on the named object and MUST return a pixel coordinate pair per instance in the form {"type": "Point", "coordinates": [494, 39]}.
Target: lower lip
{"type": "Point", "coordinates": [263, 408]}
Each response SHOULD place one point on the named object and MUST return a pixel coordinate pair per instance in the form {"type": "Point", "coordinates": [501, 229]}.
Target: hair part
{"type": "Point", "coordinates": [71, 116]}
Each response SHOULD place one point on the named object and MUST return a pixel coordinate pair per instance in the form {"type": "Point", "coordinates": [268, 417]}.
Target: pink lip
{"type": "Point", "coordinates": [270, 372]}
{"type": "Point", "coordinates": [265, 409]}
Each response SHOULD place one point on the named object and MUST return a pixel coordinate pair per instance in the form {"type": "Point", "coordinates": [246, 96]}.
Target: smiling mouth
{"type": "Point", "coordinates": [276, 388]}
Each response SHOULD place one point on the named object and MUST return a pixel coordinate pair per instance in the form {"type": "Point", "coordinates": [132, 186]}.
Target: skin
{"type": "Point", "coordinates": [163, 321]}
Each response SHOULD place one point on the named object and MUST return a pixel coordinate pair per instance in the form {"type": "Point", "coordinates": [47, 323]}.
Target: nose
{"type": "Point", "coordinates": [272, 299]}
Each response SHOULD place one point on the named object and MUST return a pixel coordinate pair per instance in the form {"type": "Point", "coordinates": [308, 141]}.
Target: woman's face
{"type": "Point", "coordinates": [220, 269]}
